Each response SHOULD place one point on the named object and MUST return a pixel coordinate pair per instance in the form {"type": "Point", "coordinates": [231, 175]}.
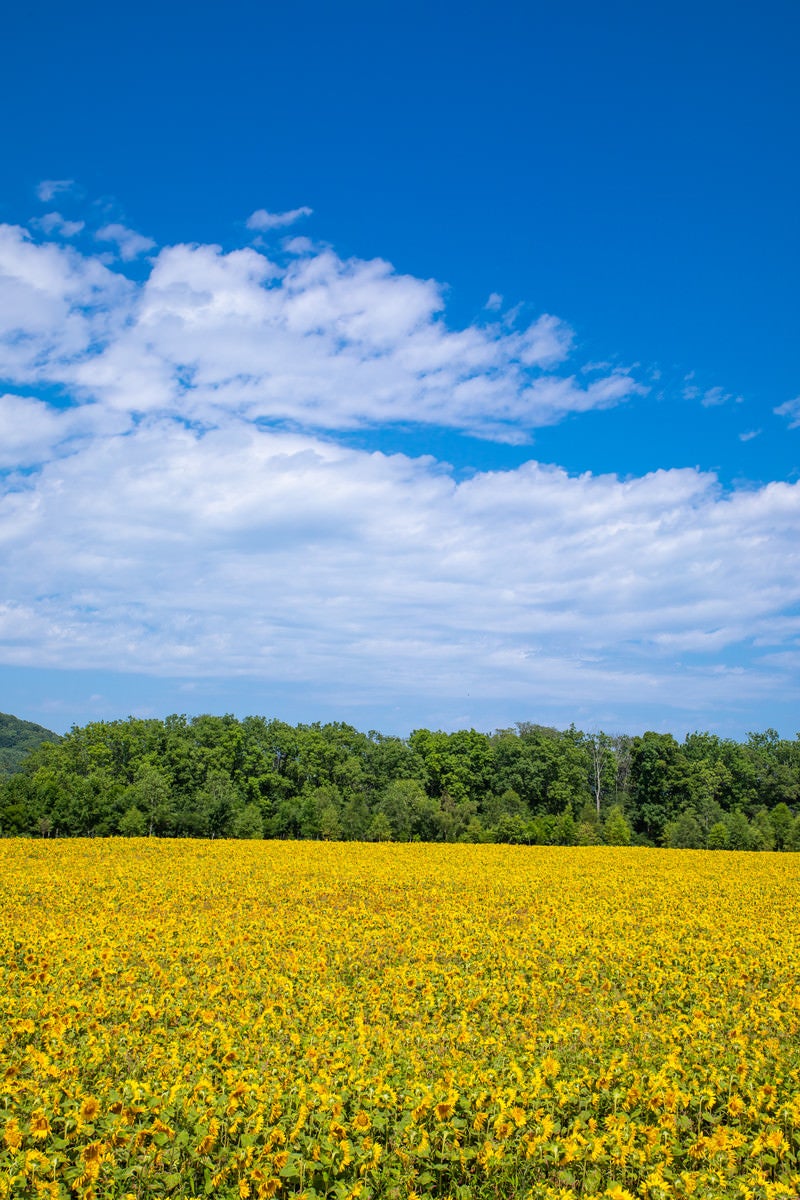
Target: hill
{"type": "Point", "coordinates": [17, 739]}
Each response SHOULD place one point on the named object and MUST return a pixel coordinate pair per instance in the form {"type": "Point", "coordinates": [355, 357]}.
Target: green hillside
{"type": "Point", "coordinates": [18, 738]}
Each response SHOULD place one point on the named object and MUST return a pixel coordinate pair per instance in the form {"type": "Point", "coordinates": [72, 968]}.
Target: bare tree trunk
{"type": "Point", "coordinates": [598, 749]}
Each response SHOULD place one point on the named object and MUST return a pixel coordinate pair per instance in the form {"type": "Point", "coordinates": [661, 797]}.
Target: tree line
{"type": "Point", "coordinates": [209, 776]}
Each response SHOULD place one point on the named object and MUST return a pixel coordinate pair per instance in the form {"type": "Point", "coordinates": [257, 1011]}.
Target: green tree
{"type": "Point", "coordinates": [509, 804]}
{"type": "Point", "coordinates": [793, 836]}
{"type": "Point", "coordinates": [458, 765]}
{"type": "Point", "coordinates": [379, 828]}
{"type": "Point", "coordinates": [565, 829]}
{"type": "Point", "coordinates": [17, 740]}
{"type": "Point", "coordinates": [150, 793]}
{"type": "Point", "coordinates": [781, 824]}
{"type": "Point", "coordinates": [587, 833]}
{"type": "Point", "coordinates": [718, 836]}
{"type": "Point", "coordinates": [684, 833]}
{"type": "Point", "coordinates": [511, 830]}
{"type": "Point", "coordinates": [248, 822]}
{"type": "Point", "coordinates": [400, 803]}
{"type": "Point", "coordinates": [762, 832]}
{"type": "Point", "coordinates": [319, 812]}
{"type": "Point", "coordinates": [355, 819]}
{"type": "Point", "coordinates": [738, 830]}
{"type": "Point", "coordinates": [660, 782]}
{"type": "Point", "coordinates": [210, 811]}
{"type": "Point", "coordinates": [475, 832]}
{"type": "Point", "coordinates": [17, 805]}
{"type": "Point", "coordinates": [330, 824]}
{"type": "Point", "coordinates": [616, 830]}
{"type": "Point", "coordinates": [133, 823]}
{"type": "Point", "coordinates": [541, 830]}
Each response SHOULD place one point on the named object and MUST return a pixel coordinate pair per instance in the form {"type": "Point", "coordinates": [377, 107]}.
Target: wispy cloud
{"type": "Point", "coordinates": [712, 397]}
{"type": "Point", "coordinates": [54, 223]}
{"type": "Point", "coordinates": [49, 188]}
{"type": "Point", "coordinates": [790, 410]}
{"type": "Point", "coordinates": [749, 435]}
{"type": "Point", "coordinates": [262, 221]}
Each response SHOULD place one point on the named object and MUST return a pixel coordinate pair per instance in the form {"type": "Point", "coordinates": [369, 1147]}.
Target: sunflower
{"type": "Point", "coordinates": [89, 1109]}
{"type": "Point", "coordinates": [12, 1135]}
{"type": "Point", "coordinates": [40, 1126]}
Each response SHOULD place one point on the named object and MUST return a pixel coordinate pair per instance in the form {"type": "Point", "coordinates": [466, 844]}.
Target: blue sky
{"type": "Point", "coordinates": [502, 424]}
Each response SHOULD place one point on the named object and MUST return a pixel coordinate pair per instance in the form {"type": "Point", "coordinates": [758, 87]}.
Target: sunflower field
{"type": "Point", "coordinates": [258, 1019]}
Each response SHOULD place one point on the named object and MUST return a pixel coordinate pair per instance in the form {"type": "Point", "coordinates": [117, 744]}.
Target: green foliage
{"type": "Point", "coordinates": [661, 782]}
{"type": "Point", "coordinates": [379, 828]}
{"type": "Point", "coordinates": [402, 802]}
{"type": "Point", "coordinates": [151, 794]}
{"type": "Point", "coordinates": [564, 828]}
{"type": "Point", "coordinates": [616, 830]}
{"type": "Point", "coordinates": [793, 836]}
{"type": "Point", "coordinates": [133, 823]}
{"type": "Point", "coordinates": [718, 836]}
{"type": "Point", "coordinates": [587, 833]}
{"type": "Point", "coordinates": [762, 831]}
{"type": "Point", "coordinates": [475, 832]}
{"type": "Point", "coordinates": [685, 832]}
{"type": "Point", "coordinates": [781, 817]}
{"type": "Point", "coordinates": [511, 829]}
{"type": "Point", "coordinates": [248, 823]}
{"type": "Point", "coordinates": [738, 830]}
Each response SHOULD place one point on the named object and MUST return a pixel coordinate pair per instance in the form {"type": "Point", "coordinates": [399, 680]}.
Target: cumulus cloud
{"type": "Point", "coordinates": [185, 504]}
{"type": "Point", "coordinates": [320, 341]}
{"type": "Point", "coordinates": [33, 432]}
{"type": "Point", "coordinates": [56, 306]}
{"type": "Point", "coordinates": [129, 243]}
{"type": "Point", "coordinates": [262, 221]}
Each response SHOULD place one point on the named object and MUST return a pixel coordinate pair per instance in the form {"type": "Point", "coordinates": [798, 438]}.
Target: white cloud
{"type": "Point", "coordinates": [546, 342]}
{"type": "Point", "coordinates": [791, 410]}
{"type": "Point", "coordinates": [129, 243]}
{"type": "Point", "coordinates": [56, 307]}
{"type": "Point", "coordinates": [712, 397]}
{"type": "Point", "coordinates": [715, 396]}
{"type": "Point", "coordinates": [33, 432]}
{"type": "Point", "coordinates": [54, 223]}
{"type": "Point", "coordinates": [324, 342]}
{"type": "Point", "coordinates": [49, 188]}
{"type": "Point", "coordinates": [287, 557]}
{"type": "Point", "coordinates": [749, 435]}
{"type": "Point", "coordinates": [29, 430]}
{"type": "Point", "coordinates": [261, 220]}
{"type": "Point", "coordinates": [186, 508]}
